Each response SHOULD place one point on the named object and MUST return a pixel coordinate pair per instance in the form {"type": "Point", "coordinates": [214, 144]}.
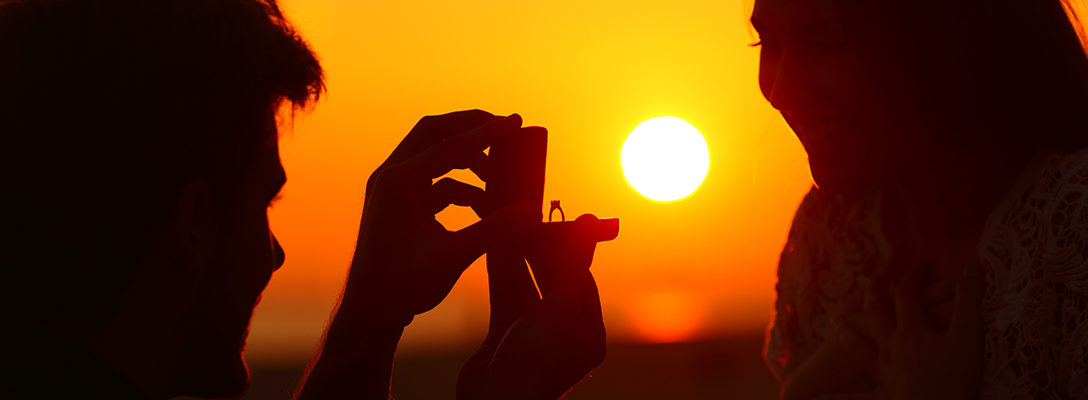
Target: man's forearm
{"type": "Point", "coordinates": [356, 358]}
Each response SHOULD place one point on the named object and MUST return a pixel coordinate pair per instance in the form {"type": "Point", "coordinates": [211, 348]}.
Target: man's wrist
{"type": "Point", "coordinates": [366, 300]}
{"type": "Point", "coordinates": [372, 307]}
{"type": "Point", "coordinates": [368, 319]}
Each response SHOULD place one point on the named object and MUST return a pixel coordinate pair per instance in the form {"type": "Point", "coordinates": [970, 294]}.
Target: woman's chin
{"type": "Point", "coordinates": [842, 175]}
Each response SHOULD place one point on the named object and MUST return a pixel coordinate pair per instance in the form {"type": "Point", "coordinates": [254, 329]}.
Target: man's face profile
{"type": "Point", "coordinates": [143, 239]}
{"type": "Point", "coordinates": [242, 253]}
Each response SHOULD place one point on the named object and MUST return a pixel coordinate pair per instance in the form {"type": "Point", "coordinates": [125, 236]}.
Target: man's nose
{"type": "Point", "coordinates": [278, 256]}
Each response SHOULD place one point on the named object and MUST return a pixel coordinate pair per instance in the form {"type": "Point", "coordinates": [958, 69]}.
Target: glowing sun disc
{"type": "Point", "coordinates": [665, 158]}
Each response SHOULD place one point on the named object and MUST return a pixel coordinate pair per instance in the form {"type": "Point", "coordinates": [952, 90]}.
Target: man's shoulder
{"type": "Point", "coordinates": [41, 366]}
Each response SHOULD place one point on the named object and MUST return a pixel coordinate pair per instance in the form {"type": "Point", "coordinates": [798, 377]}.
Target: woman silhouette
{"type": "Point", "coordinates": [944, 253]}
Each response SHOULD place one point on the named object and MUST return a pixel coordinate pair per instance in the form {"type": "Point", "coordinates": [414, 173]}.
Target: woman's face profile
{"type": "Point", "coordinates": [812, 71]}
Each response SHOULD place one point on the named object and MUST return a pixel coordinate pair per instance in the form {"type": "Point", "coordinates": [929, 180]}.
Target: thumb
{"type": "Point", "coordinates": [511, 291]}
{"type": "Point", "coordinates": [562, 269]}
{"type": "Point", "coordinates": [502, 228]}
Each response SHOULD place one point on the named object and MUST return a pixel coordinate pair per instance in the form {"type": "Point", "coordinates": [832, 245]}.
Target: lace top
{"type": "Point", "coordinates": [1034, 254]}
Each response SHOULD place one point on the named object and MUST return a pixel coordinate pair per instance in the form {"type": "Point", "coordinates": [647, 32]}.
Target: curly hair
{"type": "Point", "coordinates": [107, 108]}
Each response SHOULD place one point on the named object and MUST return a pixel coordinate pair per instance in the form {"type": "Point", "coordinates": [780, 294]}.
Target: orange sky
{"type": "Point", "coordinates": [590, 72]}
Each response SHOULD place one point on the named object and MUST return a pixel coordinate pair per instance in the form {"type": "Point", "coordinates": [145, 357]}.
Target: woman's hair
{"type": "Point", "coordinates": [1074, 10]}
{"type": "Point", "coordinates": [1019, 65]}
{"type": "Point", "coordinates": [107, 108]}
{"type": "Point", "coordinates": [1045, 70]}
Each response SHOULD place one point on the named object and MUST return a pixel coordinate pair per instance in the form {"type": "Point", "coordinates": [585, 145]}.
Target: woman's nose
{"type": "Point", "coordinates": [788, 85]}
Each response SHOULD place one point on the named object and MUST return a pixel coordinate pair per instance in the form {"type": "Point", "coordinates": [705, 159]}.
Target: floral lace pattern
{"type": "Point", "coordinates": [1034, 253]}
{"type": "Point", "coordinates": [823, 274]}
{"type": "Point", "coordinates": [1036, 302]}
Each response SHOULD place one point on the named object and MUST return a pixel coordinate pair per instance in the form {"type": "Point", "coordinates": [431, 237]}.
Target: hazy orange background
{"type": "Point", "coordinates": [589, 71]}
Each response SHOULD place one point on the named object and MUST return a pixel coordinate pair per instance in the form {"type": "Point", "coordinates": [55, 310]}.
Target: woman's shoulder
{"type": "Point", "coordinates": [832, 231]}
{"type": "Point", "coordinates": [1038, 236]}
{"type": "Point", "coordinates": [1043, 216]}
{"type": "Point", "coordinates": [1064, 193]}
{"type": "Point", "coordinates": [1035, 250]}
{"type": "Point", "coordinates": [833, 246]}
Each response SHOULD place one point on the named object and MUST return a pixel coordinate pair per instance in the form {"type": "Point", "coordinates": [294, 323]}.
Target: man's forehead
{"type": "Point", "coordinates": [270, 132]}
{"type": "Point", "coordinates": [271, 155]}
{"type": "Point", "coordinates": [269, 159]}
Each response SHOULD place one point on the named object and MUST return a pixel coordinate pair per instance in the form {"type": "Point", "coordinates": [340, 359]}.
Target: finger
{"type": "Point", "coordinates": [510, 288]}
{"type": "Point", "coordinates": [967, 315]}
{"type": "Point", "coordinates": [433, 129]}
{"type": "Point", "coordinates": [908, 301]}
{"type": "Point", "coordinates": [570, 300]}
{"type": "Point", "coordinates": [451, 191]}
{"type": "Point", "coordinates": [479, 166]}
{"type": "Point", "coordinates": [459, 151]}
{"type": "Point", "coordinates": [574, 306]}
{"type": "Point", "coordinates": [512, 294]}
{"type": "Point", "coordinates": [561, 265]}
{"type": "Point", "coordinates": [502, 227]}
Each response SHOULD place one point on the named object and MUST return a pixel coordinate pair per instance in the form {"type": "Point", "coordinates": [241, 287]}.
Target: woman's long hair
{"type": "Point", "coordinates": [1012, 72]}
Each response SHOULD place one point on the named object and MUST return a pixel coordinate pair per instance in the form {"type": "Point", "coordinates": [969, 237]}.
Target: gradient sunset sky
{"type": "Point", "coordinates": [589, 71]}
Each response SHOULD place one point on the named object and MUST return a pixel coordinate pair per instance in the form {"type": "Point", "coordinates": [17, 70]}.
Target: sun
{"type": "Point", "coordinates": [665, 158]}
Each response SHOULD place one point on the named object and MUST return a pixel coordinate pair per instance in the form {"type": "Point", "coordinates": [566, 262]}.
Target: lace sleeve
{"type": "Point", "coordinates": [833, 249]}
{"type": "Point", "coordinates": [1036, 305]}
{"type": "Point", "coordinates": [787, 344]}
{"type": "Point", "coordinates": [1066, 261]}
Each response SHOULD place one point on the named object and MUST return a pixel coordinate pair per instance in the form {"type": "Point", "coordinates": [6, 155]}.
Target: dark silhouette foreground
{"type": "Point", "coordinates": [943, 254]}
{"type": "Point", "coordinates": [142, 140]}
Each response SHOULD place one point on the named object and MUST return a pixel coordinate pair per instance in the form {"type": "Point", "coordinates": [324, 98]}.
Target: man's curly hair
{"type": "Point", "coordinates": [107, 108]}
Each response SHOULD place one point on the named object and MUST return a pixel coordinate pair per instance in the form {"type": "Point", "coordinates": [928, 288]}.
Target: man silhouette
{"type": "Point", "coordinates": [142, 157]}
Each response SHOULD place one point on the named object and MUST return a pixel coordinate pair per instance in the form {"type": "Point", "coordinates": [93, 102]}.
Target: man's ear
{"type": "Point", "coordinates": [191, 223]}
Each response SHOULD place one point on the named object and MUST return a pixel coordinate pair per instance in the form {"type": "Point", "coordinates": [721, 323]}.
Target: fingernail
{"type": "Point", "coordinates": [514, 117]}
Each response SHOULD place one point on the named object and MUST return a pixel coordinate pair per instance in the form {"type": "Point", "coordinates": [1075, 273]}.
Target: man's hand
{"type": "Point", "coordinates": [405, 260]}
{"type": "Point", "coordinates": [539, 348]}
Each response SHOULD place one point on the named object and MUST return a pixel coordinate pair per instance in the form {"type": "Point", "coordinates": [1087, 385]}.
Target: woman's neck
{"type": "Point", "coordinates": [949, 198]}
